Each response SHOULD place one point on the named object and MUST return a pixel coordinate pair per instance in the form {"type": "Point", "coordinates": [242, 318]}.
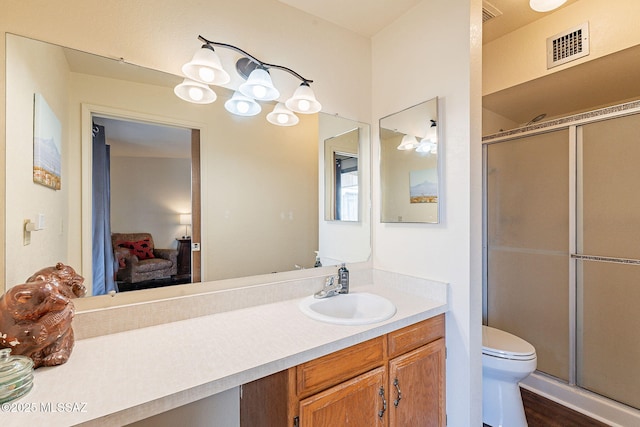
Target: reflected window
{"type": "Point", "coordinates": [346, 181]}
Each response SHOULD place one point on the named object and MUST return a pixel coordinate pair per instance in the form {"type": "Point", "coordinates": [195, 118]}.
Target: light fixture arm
{"type": "Point", "coordinates": [264, 65]}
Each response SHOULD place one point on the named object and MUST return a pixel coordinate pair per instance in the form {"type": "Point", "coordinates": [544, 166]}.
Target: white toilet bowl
{"type": "Point", "coordinates": [506, 360]}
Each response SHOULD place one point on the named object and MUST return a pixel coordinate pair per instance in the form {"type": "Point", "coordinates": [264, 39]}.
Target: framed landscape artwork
{"type": "Point", "coordinates": [47, 136]}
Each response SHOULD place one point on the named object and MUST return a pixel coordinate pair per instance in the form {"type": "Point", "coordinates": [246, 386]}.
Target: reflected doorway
{"type": "Point", "coordinates": [153, 184]}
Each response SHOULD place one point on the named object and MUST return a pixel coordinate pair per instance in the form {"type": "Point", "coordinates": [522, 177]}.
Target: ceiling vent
{"type": "Point", "coordinates": [568, 46]}
{"type": "Point", "coordinates": [489, 11]}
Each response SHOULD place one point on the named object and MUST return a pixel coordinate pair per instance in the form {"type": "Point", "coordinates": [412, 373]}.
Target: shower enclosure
{"type": "Point", "coordinates": [562, 248]}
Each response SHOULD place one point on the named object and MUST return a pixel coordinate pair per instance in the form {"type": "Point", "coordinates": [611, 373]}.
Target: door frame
{"type": "Point", "coordinates": [197, 130]}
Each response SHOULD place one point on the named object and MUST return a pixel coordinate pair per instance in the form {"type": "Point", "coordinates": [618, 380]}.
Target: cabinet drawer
{"type": "Point", "coordinates": [334, 368]}
{"type": "Point", "coordinates": [414, 336]}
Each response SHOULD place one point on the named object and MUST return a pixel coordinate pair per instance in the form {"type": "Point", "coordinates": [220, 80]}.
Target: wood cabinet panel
{"type": "Point", "coordinates": [417, 335]}
{"type": "Point", "coordinates": [342, 365]}
{"type": "Point", "coordinates": [343, 388]}
{"type": "Point", "coordinates": [417, 387]}
{"type": "Point", "coordinates": [269, 401]}
{"type": "Point", "coordinates": [354, 403]}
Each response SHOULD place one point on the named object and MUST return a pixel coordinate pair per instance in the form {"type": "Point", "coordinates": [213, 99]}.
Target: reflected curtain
{"type": "Point", "coordinates": [104, 267]}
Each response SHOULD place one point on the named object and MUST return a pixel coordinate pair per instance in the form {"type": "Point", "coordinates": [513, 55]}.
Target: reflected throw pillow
{"type": "Point", "coordinates": [142, 248]}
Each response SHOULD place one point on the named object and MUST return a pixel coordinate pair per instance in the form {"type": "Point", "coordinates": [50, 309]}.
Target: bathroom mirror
{"type": "Point", "coordinates": [410, 154]}
{"type": "Point", "coordinates": [260, 210]}
{"type": "Point", "coordinates": [341, 176]}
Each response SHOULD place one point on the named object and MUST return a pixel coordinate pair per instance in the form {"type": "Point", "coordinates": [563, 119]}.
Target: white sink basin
{"type": "Point", "coordinates": [358, 308]}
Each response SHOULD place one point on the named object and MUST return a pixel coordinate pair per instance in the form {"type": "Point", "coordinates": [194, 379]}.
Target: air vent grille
{"type": "Point", "coordinates": [568, 46]}
{"type": "Point", "coordinates": [489, 11]}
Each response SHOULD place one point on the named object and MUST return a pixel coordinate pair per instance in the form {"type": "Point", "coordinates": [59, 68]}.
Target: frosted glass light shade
{"type": "Point", "coordinates": [303, 100]}
{"type": "Point", "coordinates": [545, 5]}
{"type": "Point", "coordinates": [241, 105]}
{"type": "Point", "coordinates": [282, 116]}
{"type": "Point", "coordinates": [427, 146]}
{"type": "Point", "coordinates": [409, 142]}
{"type": "Point", "coordinates": [259, 86]}
{"type": "Point", "coordinates": [205, 67]}
{"type": "Point", "coordinates": [195, 92]}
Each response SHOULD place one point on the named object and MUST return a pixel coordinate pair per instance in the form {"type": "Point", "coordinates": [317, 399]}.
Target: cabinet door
{"type": "Point", "coordinates": [354, 403]}
{"type": "Point", "coordinates": [417, 388]}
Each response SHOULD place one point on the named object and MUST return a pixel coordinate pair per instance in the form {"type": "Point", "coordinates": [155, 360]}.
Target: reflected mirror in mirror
{"type": "Point", "coordinates": [410, 151]}
{"type": "Point", "coordinates": [342, 198]}
{"type": "Point", "coordinates": [259, 184]}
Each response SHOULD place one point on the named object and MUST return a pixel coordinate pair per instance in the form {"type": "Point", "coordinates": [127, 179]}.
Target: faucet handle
{"type": "Point", "coordinates": [329, 281]}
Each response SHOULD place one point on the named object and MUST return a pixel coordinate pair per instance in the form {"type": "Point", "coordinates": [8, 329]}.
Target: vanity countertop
{"type": "Point", "coordinates": [120, 378]}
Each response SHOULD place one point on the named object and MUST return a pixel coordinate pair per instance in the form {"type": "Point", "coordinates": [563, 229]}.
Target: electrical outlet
{"type": "Point", "coordinates": [195, 247]}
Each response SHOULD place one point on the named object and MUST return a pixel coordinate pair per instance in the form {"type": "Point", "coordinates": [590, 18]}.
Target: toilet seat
{"type": "Point", "coordinates": [504, 345]}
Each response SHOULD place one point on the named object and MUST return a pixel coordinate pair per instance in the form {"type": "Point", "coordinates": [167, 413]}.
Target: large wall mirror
{"type": "Point", "coordinates": [410, 157]}
{"type": "Point", "coordinates": [249, 193]}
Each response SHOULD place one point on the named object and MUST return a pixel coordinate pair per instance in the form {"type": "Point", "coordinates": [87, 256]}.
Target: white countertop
{"type": "Point", "coordinates": [120, 378]}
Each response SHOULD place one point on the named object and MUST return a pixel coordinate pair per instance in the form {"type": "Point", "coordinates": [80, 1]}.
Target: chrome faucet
{"type": "Point", "coordinates": [331, 288]}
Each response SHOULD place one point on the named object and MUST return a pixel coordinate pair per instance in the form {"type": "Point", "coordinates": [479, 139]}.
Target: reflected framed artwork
{"type": "Point", "coordinates": [47, 135]}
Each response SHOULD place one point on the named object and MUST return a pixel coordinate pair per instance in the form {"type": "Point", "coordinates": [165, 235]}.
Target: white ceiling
{"type": "Point", "coordinates": [367, 17]}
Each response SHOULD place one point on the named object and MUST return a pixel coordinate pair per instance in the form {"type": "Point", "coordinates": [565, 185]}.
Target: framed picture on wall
{"type": "Point", "coordinates": [47, 136]}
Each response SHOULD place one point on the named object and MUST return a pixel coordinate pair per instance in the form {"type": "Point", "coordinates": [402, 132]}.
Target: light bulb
{"type": "Point", "coordinates": [283, 118]}
{"type": "Point", "coordinates": [196, 93]}
{"type": "Point", "coordinates": [304, 105]}
{"type": "Point", "coordinates": [242, 106]}
{"type": "Point", "coordinates": [259, 91]}
{"type": "Point", "coordinates": [206, 74]}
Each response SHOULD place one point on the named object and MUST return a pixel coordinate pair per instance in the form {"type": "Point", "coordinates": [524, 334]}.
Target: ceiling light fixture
{"type": "Point", "coordinates": [205, 68]}
{"type": "Point", "coordinates": [545, 5]}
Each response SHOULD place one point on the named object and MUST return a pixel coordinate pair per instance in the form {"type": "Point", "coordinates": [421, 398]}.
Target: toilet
{"type": "Point", "coordinates": [506, 360]}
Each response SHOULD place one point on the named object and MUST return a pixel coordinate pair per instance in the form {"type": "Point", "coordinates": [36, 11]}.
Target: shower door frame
{"type": "Point", "coordinates": [573, 124]}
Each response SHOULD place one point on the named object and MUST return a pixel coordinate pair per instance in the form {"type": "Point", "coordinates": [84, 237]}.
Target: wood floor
{"type": "Point", "coordinates": [542, 412]}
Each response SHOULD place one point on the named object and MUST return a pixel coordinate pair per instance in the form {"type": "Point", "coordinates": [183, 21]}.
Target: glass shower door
{"type": "Point", "coordinates": [608, 258]}
{"type": "Point", "coordinates": [527, 208]}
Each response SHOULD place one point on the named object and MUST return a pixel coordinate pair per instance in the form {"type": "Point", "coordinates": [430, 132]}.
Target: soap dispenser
{"type": "Point", "coordinates": [343, 279]}
{"type": "Point", "coordinates": [318, 263]}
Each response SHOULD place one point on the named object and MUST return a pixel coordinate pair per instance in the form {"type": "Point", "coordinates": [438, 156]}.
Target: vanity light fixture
{"type": "Point", "coordinates": [429, 144]}
{"type": "Point", "coordinates": [282, 116]}
{"type": "Point", "coordinates": [409, 142]}
{"type": "Point", "coordinates": [205, 68]}
{"type": "Point", "coordinates": [242, 105]}
{"type": "Point", "coordinates": [545, 5]}
{"type": "Point", "coordinates": [196, 92]}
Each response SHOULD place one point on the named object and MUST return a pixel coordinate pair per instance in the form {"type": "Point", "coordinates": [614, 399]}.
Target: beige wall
{"type": "Point", "coordinates": [520, 56]}
{"type": "Point", "coordinates": [42, 70]}
{"type": "Point", "coordinates": [148, 194]}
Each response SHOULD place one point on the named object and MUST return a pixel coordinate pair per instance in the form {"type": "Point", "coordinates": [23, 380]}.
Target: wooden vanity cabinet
{"type": "Point", "coordinates": [395, 380]}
